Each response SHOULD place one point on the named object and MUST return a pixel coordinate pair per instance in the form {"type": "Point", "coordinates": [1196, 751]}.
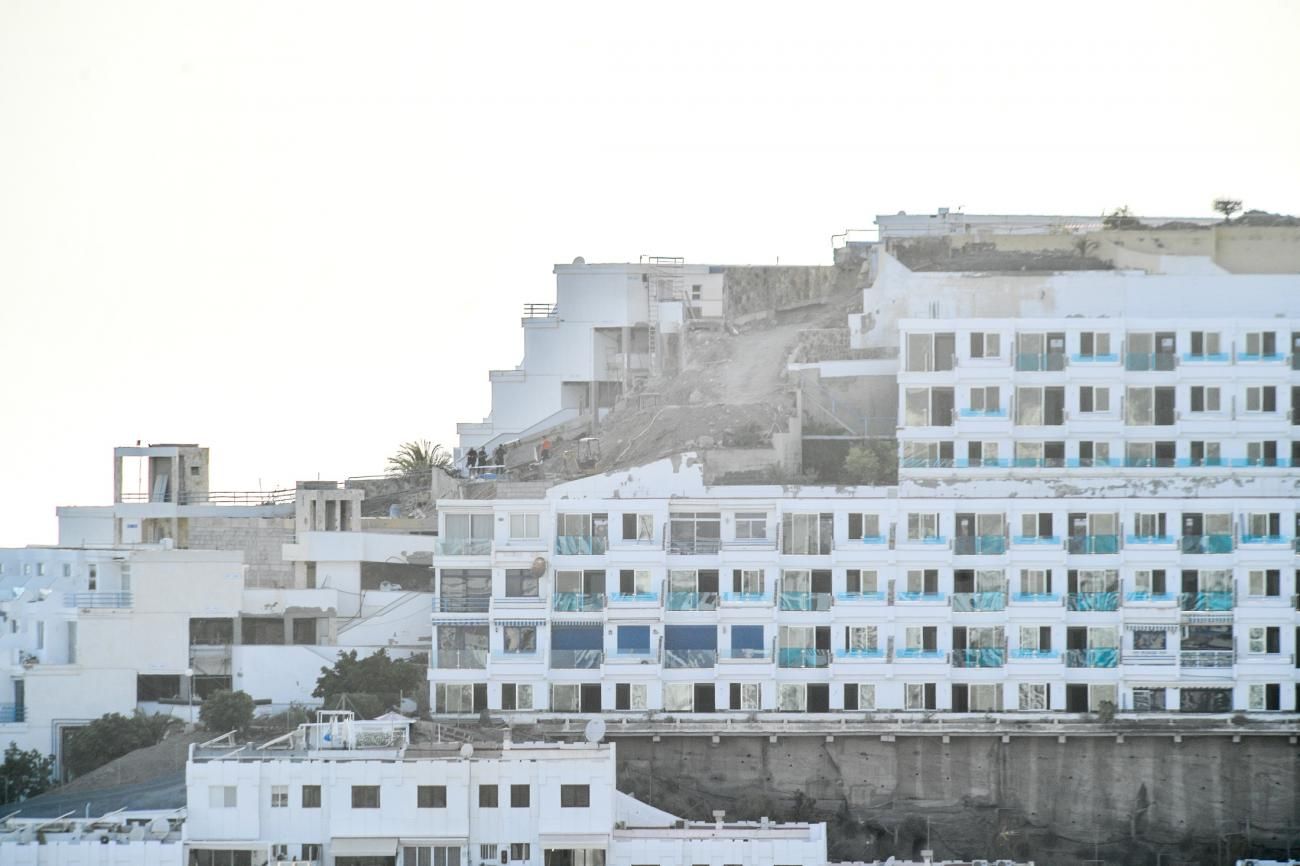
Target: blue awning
{"type": "Point", "coordinates": [688, 637]}
{"type": "Point", "coordinates": [578, 638]}
{"type": "Point", "coordinates": [634, 637]}
{"type": "Point", "coordinates": [747, 637]}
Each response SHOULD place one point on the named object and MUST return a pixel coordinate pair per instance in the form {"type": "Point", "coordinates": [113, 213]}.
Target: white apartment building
{"type": "Point", "coordinates": [351, 793]}
{"type": "Point", "coordinates": [175, 591]}
{"type": "Point", "coordinates": [610, 325]}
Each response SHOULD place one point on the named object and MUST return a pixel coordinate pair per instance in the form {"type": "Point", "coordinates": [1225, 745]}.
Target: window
{"type": "Point", "coordinates": [525, 526]}
{"type": "Point", "coordinates": [638, 527]}
{"type": "Point", "coordinates": [860, 638]}
{"type": "Point", "coordinates": [365, 796]}
{"type": "Point", "coordinates": [1036, 407]}
{"type": "Point", "coordinates": [1204, 453]}
{"type": "Point", "coordinates": [575, 796]}
{"type": "Point", "coordinates": [279, 796]}
{"type": "Point", "coordinates": [1205, 398]}
{"type": "Point", "coordinates": [1263, 524]}
{"type": "Point", "coordinates": [519, 796]}
{"type": "Point", "coordinates": [919, 696]}
{"type": "Point", "coordinates": [1094, 453]}
{"type": "Point", "coordinates": [1094, 398]}
{"type": "Point", "coordinates": [311, 796]}
{"type": "Point", "coordinates": [1261, 453]}
{"type": "Point", "coordinates": [629, 696]}
{"type": "Point", "coordinates": [1040, 351]}
{"type": "Point", "coordinates": [982, 453]}
{"type": "Point", "coordinates": [985, 344]}
{"type": "Point", "coordinates": [1149, 454]}
{"type": "Point", "coordinates": [516, 696]}
{"type": "Point", "coordinates": [424, 855]}
{"type": "Point", "coordinates": [927, 454]}
{"type": "Point", "coordinates": [1148, 700]}
{"type": "Point", "coordinates": [520, 851]}
{"type": "Point", "coordinates": [791, 697]}
{"type": "Point", "coordinates": [1094, 343]}
{"type": "Point", "coordinates": [1261, 398]}
{"type": "Point", "coordinates": [1033, 696]}
{"type": "Point", "coordinates": [1036, 638]}
{"type": "Point", "coordinates": [487, 796]}
{"type": "Point", "coordinates": [746, 696]}
{"type": "Point", "coordinates": [566, 697]}
{"type": "Point", "coordinates": [220, 857]}
{"type": "Point", "coordinates": [1149, 581]}
{"type": "Point", "coordinates": [985, 399]}
{"type": "Point", "coordinates": [1146, 407]}
{"type": "Point", "coordinates": [67, 569]}
{"type": "Point", "coordinates": [921, 638]}
{"type": "Point", "coordinates": [861, 581]}
{"type": "Point", "coordinates": [1266, 582]}
{"type": "Point", "coordinates": [40, 634]}
{"type": "Point", "coordinates": [521, 583]}
{"type": "Point", "coordinates": [930, 352]}
{"type": "Point", "coordinates": [1035, 581]}
{"type": "Point", "coordinates": [921, 527]}
{"type": "Point", "coordinates": [864, 526]}
{"type": "Point", "coordinates": [1265, 639]}
{"type": "Point", "coordinates": [751, 525]}
{"type": "Point", "coordinates": [1265, 696]}
{"type": "Point", "coordinates": [1261, 343]}
{"type": "Point", "coordinates": [519, 639]}
{"type": "Point", "coordinates": [634, 582]}
{"type": "Point", "coordinates": [697, 291]}
{"type": "Point", "coordinates": [807, 533]}
{"type": "Point", "coordinates": [40, 569]}
{"type": "Point", "coordinates": [487, 851]}
{"type": "Point", "coordinates": [431, 796]}
{"type": "Point", "coordinates": [679, 697]}
{"type": "Point", "coordinates": [223, 796]}
{"type": "Point", "coordinates": [923, 580]}
{"type": "Point", "coordinates": [928, 407]}
{"type": "Point", "coordinates": [1149, 525]}
{"type": "Point", "coordinates": [1204, 343]}
{"type": "Point", "coordinates": [1036, 524]}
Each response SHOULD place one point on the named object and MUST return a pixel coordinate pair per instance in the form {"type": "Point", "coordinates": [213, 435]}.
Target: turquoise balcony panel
{"type": "Point", "coordinates": [746, 597]}
{"type": "Point", "coordinates": [1035, 654]}
{"type": "Point", "coordinates": [580, 545]}
{"type": "Point", "coordinates": [692, 601]}
{"type": "Point", "coordinates": [690, 658]}
{"type": "Point", "coordinates": [1036, 596]}
{"type": "Point", "coordinates": [921, 596]}
{"type": "Point", "coordinates": [1111, 358]}
{"type": "Point", "coordinates": [1162, 361]}
{"type": "Point", "coordinates": [805, 601]}
{"type": "Point", "coordinates": [1040, 361]}
{"type": "Point", "coordinates": [1040, 540]}
{"type": "Point", "coordinates": [1150, 597]}
{"type": "Point", "coordinates": [577, 602]}
{"type": "Point", "coordinates": [862, 654]}
{"type": "Point", "coordinates": [964, 602]}
{"type": "Point", "coordinates": [910, 653]}
{"type": "Point", "coordinates": [788, 657]}
{"type": "Point", "coordinates": [859, 596]}
{"type": "Point", "coordinates": [577, 659]}
{"type": "Point", "coordinates": [984, 657]}
{"type": "Point", "coordinates": [1212, 358]}
{"type": "Point", "coordinates": [1206, 601]}
{"type": "Point", "coordinates": [1100, 657]}
{"type": "Point", "coordinates": [1207, 543]}
{"type": "Point", "coordinates": [1092, 544]}
{"type": "Point", "coordinates": [1101, 601]}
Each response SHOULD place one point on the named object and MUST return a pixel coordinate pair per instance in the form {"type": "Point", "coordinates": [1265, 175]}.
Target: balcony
{"type": "Point", "coordinates": [1106, 358]}
{"type": "Point", "coordinates": [789, 657]}
{"type": "Point", "coordinates": [12, 714]}
{"type": "Point", "coordinates": [979, 545]}
{"type": "Point", "coordinates": [1266, 539]}
{"type": "Point", "coordinates": [1204, 358]}
{"type": "Point", "coordinates": [746, 598]}
{"type": "Point", "coordinates": [874, 654]}
{"type": "Point", "coordinates": [805, 601]}
{"type": "Point", "coordinates": [749, 544]}
{"type": "Point", "coordinates": [577, 659]}
{"type": "Point", "coordinates": [921, 596]}
{"type": "Point", "coordinates": [914, 654]}
{"type": "Point", "coordinates": [854, 597]}
{"type": "Point", "coordinates": [984, 657]}
{"type": "Point", "coordinates": [1096, 657]}
{"type": "Point", "coordinates": [98, 599]}
{"type": "Point", "coordinates": [694, 546]}
{"type": "Point", "coordinates": [1218, 543]}
{"type": "Point", "coordinates": [1031, 597]}
{"type": "Point", "coordinates": [981, 413]}
{"type": "Point", "coordinates": [633, 655]}
{"type": "Point", "coordinates": [463, 547]}
{"type": "Point", "coordinates": [1207, 659]}
{"type": "Point", "coordinates": [577, 602]}
{"type": "Point", "coordinates": [1205, 601]}
{"type": "Point", "coordinates": [692, 601]}
{"type": "Point", "coordinates": [460, 659]}
{"type": "Point", "coordinates": [1036, 541]}
{"type": "Point", "coordinates": [1092, 544]}
{"type": "Point", "coordinates": [744, 654]}
{"type": "Point", "coordinates": [1150, 540]}
{"type": "Point", "coordinates": [580, 545]}
{"type": "Point", "coordinates": [1101, 601]}
{"type": "Point", "coordinates": [967, 602]}
{"type": "Point", "coordinates": [690, 658]}
{"type": "Point", "coordinates": [1150, 597]}
{"type": "Point", "coordinates": [462, 604]}
{"type": "Point", "coordinates": [532, 656]}
{"type": "Point", "coordinates": [1027, 362]}
{"type": "Point", "coordinates": [1035, 654]}
{"type": "Point", "coordinates": [1159, 361]}
{"type": "Point", "coordinates": [1260, 358]}
{"type": "Point", "coordinates": [616, 598]}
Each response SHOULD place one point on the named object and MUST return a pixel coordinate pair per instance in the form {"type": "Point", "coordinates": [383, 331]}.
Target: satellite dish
{"type": "Point", "coordinates": [595, 731]}
{"type": "Point", "coordinates": [539, 566]}
{"type": "Point", "coordinates": [579, 261]}
{"type": "Point", "coordinates": [466, 751]}
{"type": "Point", "coordinates": [137, 833]}
{"type": "Point", "coordinates": [159, 827]}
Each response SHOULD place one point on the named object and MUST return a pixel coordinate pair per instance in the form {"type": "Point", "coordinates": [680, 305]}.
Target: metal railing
{"type": "Point", "coordinates": [979, 657]}
{"type": "Point", "coordinates": [540, 311]}
{"type": "Point", "coordinates": [692, 601]}
{"type": "Point", "coordinates": [1092, 544]}
{"type": "Point", "coordinates": [690, 658]}
{"type": "Point", "coordinates": [1206, 601]}
{"type": "Point", "coordinates": [577, 659]}
{"type": "Point", "coordinates": [463, 547]}
{"type": "Point", "coordinates": [1028, 362]}
{"type": "Point", "coordinates": [920, 596]}
{"type": "Point", "coordinates": [218, 497]}
{"type": "Point", "coordinates": [694, 546]}
{"type": "Point", "coordinates": [462, 604]}
{"type": "Point", "coordinates": [12, 714]}
{"type": "Point", "coordinates": [964, 602]}
{"type": "Point", "coordinates": [745, 597]}
{"type": "Point", "coordinates": [1095, 657]}
{"type": "Point", "coordinates": [1024, 654]}
{"type": "Point", "coordinates": [460, 659]}
{"type": "Point", "coordinates": [810, 601]}
{"type": "Point", "coordinates": [802, 657]}
{"type": "Point", "coordinates": [979, 545]}
{"type": "Point", "coordinates": [860, 654]}
{"type": "Point", "coordinates": [581, 545]}
{"type": "Point", "coordinates": [914, 654]}
{"type": "Point", "coordinates": [1102, 601]}
{"type": "Point", "coordinates": [1207, 658]}
{"type": "Point", "coordinates": [577, 602]}
{"type": "Point", "coordinates": [744, 654]}
{"type": "Point", "coordinates": [98, 599]}
{"type": "Point", "coordinates": [1215, 543]}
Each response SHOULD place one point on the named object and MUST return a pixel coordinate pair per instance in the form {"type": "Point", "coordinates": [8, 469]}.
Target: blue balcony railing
{"type": "Point", "coordinates": [963, 602]}
{"type": "Point", "coordinates": [1203, 358]}
{"type": "Point", "coordinates": [981, 413]}
{"type": "Point", "coordinates": [805, 601]}
{"type": "Point", "coordinates": [1092, 601]}
{"type": "Point", "coordinates": [1219, 543]}
{"type": "Point", "coordinates": [928, 654]}
{"type": "Point", "coordinates": [1041, 540]}
{"type": "Point", "coordinates": [460, 659]}
{"type": "Point", "coordinates": [861, 654]}
{"type": "Point", "coordinates": [746, 597]}
{"type": "Point", "coordinates": [692, 601]}
{"type": "Point", "coordinates": [1047, 361]}
{"type": "Point", "coordinates": [1205, 601]}
{"type": "Point", "coordinates": [577, 602]}
{"type": "Point", "coordinates": [1150, 361]}
{"type": "Point", "coordinates": [1093, 463]}
{"type": "Point", "coordinates": [632, 597]}
{"type": "Point", "coordinates": [1149, 597]}
{"type": "Point", "coordinates": [1092, 544]}
{"type": "Point", "coordinates": [1035, 653]}
{"type": "Point", "coordinates": [985, 657]}
{"type": "Point", "coordinates": [920, 596]}
{"type": "Point", "coordinates": [12, 714]}
{"type": "Point", "coordinates": [871, 539]}
{"type": "Point", "coordinates": [1099, 657]}
{"type": "Point", "coordinates": [788, 657]}
{"type": "Point", "coordinates": [1109, 358]}
{"type": "Point", "coordinates": [580, 545]}
{"type": "Point", "coordinates": [1149, 539]}
{"type": "Point", "coordinates": [577, 659]}
{"type": "Point", "coordinates": [745, 654]}
{"type": "Point", "coordinates": [690, 658]}
{"type": "Point", "coordinates": [973, 545]}
{"type": "Point", "coordinates": [852, 597]}
{"type": "Point", "coordinates": [1035, 596]}
{"type": "Point", "coordinates": [98, 599]}
{"type": "Point", "coordinates": [463, 546]}
{"type": "Point", "coordinates": [1248, 357]}
{"type": "Point", "coordinates": [1265, 539]}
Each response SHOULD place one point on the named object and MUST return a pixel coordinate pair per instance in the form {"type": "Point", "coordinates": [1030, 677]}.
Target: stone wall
{"type": "Point", "coordinates": [260, 538]}
{"type": "Point", "coordinates": [1028, 798]}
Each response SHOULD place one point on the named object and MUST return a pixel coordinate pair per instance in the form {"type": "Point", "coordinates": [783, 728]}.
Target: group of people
{"type": "Point", "coordinates": [476, 460]}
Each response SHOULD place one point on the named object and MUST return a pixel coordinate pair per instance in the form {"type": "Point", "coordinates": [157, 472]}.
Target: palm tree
{"type": "Point", "coordinates": [419, 456]}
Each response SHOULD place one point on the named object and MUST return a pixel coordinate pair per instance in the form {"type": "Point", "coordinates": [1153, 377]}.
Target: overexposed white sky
{"type": "Point", "coordinates": [300, 233]}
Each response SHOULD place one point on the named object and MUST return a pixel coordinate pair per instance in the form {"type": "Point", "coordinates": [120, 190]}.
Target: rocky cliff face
{"type": "Point", "coordinates": [1206, 799]}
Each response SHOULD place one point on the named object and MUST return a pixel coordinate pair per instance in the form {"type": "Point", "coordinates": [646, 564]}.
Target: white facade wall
{"type": "Point", "coordinates": [89, 852]}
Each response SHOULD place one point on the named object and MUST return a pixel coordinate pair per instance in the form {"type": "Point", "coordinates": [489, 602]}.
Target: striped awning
{"type": "Point", "coordinates": [519, 622]}
{"type": "Point", "coordinates": [461, 622]}
{"type": "Point", "coordinates": [1209, 619]}
{"type": "Point", "coordinates": [1150, 626]}
{"type": "Point", "coordinates": [577, 623]}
